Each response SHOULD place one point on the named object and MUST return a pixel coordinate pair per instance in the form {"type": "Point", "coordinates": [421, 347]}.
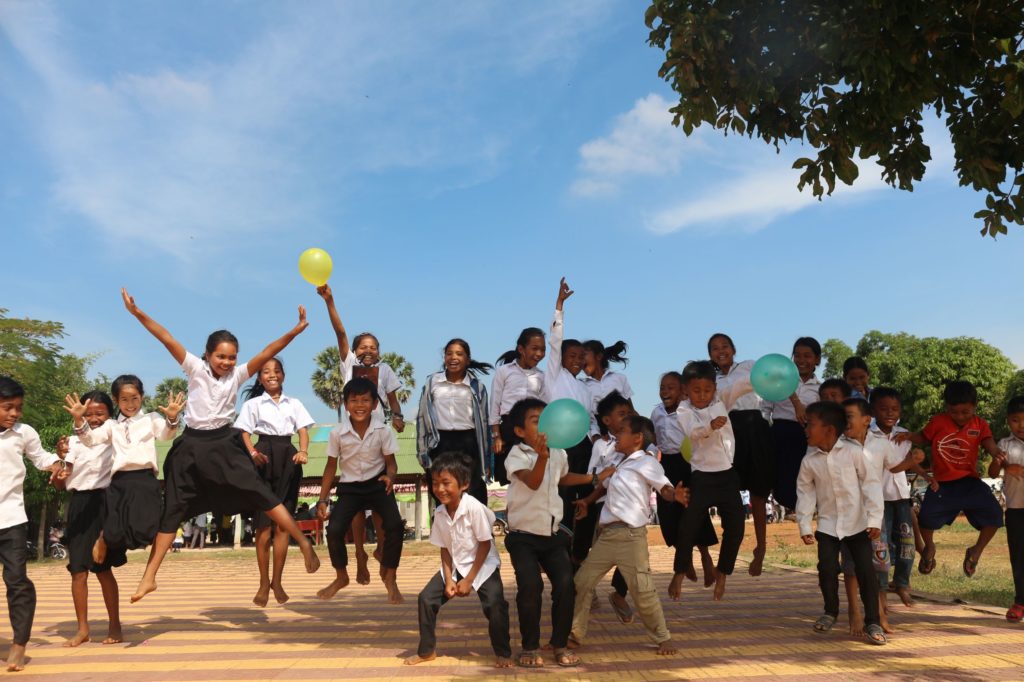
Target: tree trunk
{"type": "Point", "coordinates": [41, 544]}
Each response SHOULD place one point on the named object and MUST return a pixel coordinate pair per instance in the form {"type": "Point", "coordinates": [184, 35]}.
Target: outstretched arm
{"type": "Point", "coordinates": [339, 328]}
{"type": "Point", "coordinates": [275, 347]}
{"type": "Point", "coordinates": [175, 348]}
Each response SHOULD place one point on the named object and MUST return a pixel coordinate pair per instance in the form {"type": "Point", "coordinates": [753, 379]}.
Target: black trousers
{"type": "Point", "coordinates": [859, 547]}
{"type": "Point", "coordinates": [21, 593]}
{"type": "Point", "coordinates": [529, 554]}
{"type": "Point", "coordinates": [719, 489]}
{"type": "Point", "coordinates": [463, 442]}
{"type": "Point", "coordinates": [354, 498]}
{"type": "Point", "coordinates": [492, 598]}
{"type": "Point", "coordinates": [1015, 541]}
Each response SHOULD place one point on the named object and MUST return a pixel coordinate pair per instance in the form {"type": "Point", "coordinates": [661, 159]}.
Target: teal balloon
{"type": "Point", "coordinates": [565, 422]}
{"type": "Point", "coordinates": [774, 377]}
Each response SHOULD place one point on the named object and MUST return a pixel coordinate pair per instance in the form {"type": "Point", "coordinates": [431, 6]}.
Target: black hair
{"type": "Point", "coordinates": [829, 414]}
{"type": "Point", "coordinates": [645, 427]}
{"type": "Point", "coordinates": [510, 356]}
{"type": "Point", "coordinates": [673, 374]}
{"type": "Point", "coordinates": [1015, 406]}
{"type": "Point", "coordinates": [454, 462]}
{"type": "Point", "coordinates": [218, 337]}
{"type": "Point", "coordinates": [605, 407]}
{"type": "Point", "coordinates": [720, 335]}
{"type": "Point", "coordinates": [9, 388]}
{"type": "Point", "coordinates": [881, 392]}
{"type": "Point", "coordinates": [613, 353]}
{"type": "Point", "coordinates": [855, 362]}
{"type": "Point", "coordinates": [863, 406]}
{"type": "Point", "coordinates": [99, 397]}
{"type": "Point", "coordinates": [126, 380]}
{"type": "Point", "coordinates": [358, 386]}
{"type": "Point", "coordinates": [257, 389]}
{"type": "Point", "coordinates": [841, 384]}
{"type": "Point", "coordinates": [570, 343]}
{"type": "Point", "coordinates": [699, 369]}
{"type": "Point", "coordinates": [808, 342]}
{"type": "Point", "coordinates": [473, 367]}
{"type": "Point", "coordinates": [517, 415]}
{"type": "Point", "coordinates": [960, 392]}
{"type": "Point", "coordinates": [359, 339]}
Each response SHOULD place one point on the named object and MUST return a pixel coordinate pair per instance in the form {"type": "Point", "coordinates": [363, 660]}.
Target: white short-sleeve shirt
{"type": "Point", "coordinates": [269, 417]}
{"type": "Point", "coordinates": [603, 455]}
{"type": "Point", "coordinates": [462, 535]}
{"type": "Point", "coordinates": [629, 490]}
{"type": "Point", "coordinates": [361, 459]}
{"type": "Point", "coordinates": [1013, 487]}
{"type": "Point", "coordinates": [19, 441]}
{"type": "Point", "coordinates": [211, 400]}
{"type": "Point", "coordinates": [91, 466]}
{"type": "Point", "coordinates": [609, 381]}
{"type": "Point", "coordinates": [535, 511]}
{"type": "Point", "coordinates": [133, 438]}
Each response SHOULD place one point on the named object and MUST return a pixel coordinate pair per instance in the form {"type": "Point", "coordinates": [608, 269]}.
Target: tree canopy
{"type": "Point", "coordinates": [854, 80]}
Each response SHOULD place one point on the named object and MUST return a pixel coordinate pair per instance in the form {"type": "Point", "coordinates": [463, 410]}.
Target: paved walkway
{"type": "Point", "coordinates": [200, 625]}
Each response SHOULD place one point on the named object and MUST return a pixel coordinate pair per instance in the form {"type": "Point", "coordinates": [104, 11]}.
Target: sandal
{"type": "Point", "coordinates": [824, 623]}
{"type": "Point", "coordinates": [970, 565]}
{"type": "Point", "coordinates": [875, 634]}
{"type": "Point", "coordinates": [927, 564]}
{"type": "Point", "coordinates": [566, 659]}
{"type": "Point", "coordinates": [624, 613]}
{"type": "Point", "coordinates": [529, 659]}
{"type": "Point", "coordinates": [1016, 613]}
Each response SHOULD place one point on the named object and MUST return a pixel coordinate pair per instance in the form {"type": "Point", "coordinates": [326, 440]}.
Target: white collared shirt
{"type": "Point", "coordinates": [461, 536]}
{"type": "Point", "coordinates": [19, 441]}
{"type": "Point", "coordinates": [211, 400]}
{"type": "Point", "coordinates": [842, 487]}
{"type": "Point", "coordinates": [453, 403]}
{"type": "Point", "coordinates": [629, 490]}
{"type": "Point", "coordinates": [668, 434]}
{"type": "Point", "coordinates": [534, 511]}
{"type": "Point", "coordinates": [806, 392]}
{"type": "Point", "coordinates": [713, 449]}
{"type": "Point", "coordinates": [91, 466]}
{"type": "Point", "coordinates": [1013, 487]}
{"type": "Point", "coordinates": [133, 438]}
{"type": "Point", "coordinates": [387, 381]}
{"type": "Point", "coordinates": [725, 384]}
{"type": "Point", "coordinates": [269, 417]}
{"type": "Point", "coordinates": [603, 455]}
{"type": "Point", "coordinates": [361, 459]}
{"type": "Point", "coordinates": [511, 384]}
{"type": "Point", "coordinates": [894, 486]}
{"type": "Point", "coordinates": [558, 382]}
{"type": "Point", "coordinates": [600, 388]}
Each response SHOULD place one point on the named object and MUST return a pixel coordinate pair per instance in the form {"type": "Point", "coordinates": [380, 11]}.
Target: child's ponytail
{"type": "Point", "coordinates": [511, 356]}
{"type": "Point", "coordinates": [474, 367]}
{"type": "Point", "coordinates": [613, 353]}
{"type": "Point", "coordinates": [257, 389]}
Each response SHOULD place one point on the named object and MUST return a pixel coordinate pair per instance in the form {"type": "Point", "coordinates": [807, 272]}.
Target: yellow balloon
{"type": "Point", "coordinates": [686, 449]}
{"type": "Point", "coordinates": [315, 266]}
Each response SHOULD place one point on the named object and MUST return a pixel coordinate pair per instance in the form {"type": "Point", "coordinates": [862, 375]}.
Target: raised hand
{"type": "Point", "coordinates": [76, 408]}
{"type": "Point", "coordinates": [303, 323]}
{"type": "Point", "coordinates": [129, 302]}
{"type": "Point", "coordinates": [564, 292]}
{"type": "Point", "coordinates": [175, 404]}
{"type": "Point", "coordinates": [542, 445]}
{"type": "Point", "coordinates": [324, 290]}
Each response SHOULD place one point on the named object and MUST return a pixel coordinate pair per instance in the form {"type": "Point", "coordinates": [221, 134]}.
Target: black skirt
{"type": "Point", "coordinates": [281, 473]}
{"type": "Point", "coordinates": [86, 514]}
{"type": "Point", "coordinates": [133, 510]}
{"type": "Point", "coordinates": [790, 448]}
{"type": "Point", "coordinates": [211, 471]}
{"type": "Point", "coordinates": [755, 452]}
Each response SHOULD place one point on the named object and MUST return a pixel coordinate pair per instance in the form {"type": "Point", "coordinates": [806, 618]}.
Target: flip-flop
{"type": "Point", "coordinates": [926, 565]}
{"type": "Point", "coordinates": [970, 565]}
{"type": "Point", "coordinates": [624, 613]}
{"type": "Point", "coordinates": [566, 659]}
{"type": "Point", "coordinates": [529, 659]}
{"type": "Point", "coordinates": [1016, 613]}
{"type": "Point", "coordinates": [824, 623]}
{"type": "Point", "coordinates": [875, 634]}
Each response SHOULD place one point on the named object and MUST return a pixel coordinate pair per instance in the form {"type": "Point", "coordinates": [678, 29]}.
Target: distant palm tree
{"type": "Point", "coordinates": [327, 381]}
{"type": "Point", "coordinates": [403, 368]}
{"type": "Point", "coordinates": [163, 390]}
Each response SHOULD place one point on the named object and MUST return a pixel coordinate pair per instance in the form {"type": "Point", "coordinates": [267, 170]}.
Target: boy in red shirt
{"type": "Point", "coordinates": [955, 486]}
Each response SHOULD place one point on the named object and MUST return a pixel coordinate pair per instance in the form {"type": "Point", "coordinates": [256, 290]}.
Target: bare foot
{"type": "Point", "coordinates": [16, 658]}
{"type": "Point", "coordinates": [362, 569]}
{"type": "Point", "coordinates": [904, 594]}
{"type": "Point", "coordinates": [675, 588]}
{"type": "Point", "coordinates": [114, 635]}
{"type": "Point", "coordinates": [857, 625]}
{"type": "Point", "coordinates": [310, 557]}
{"type": "Point", "coordinates": [280, 596]}
{"type": "Point", "coordinates": [391, 583]}
{"type": "Point", "coordinates": [338, 583]}
{"type": "Point", "coordinates": [144, 588]}
{"type": "Point", "coordinates": [503, 662]}
{"type": "Point", "coordinates": [416, 660]}
{"type": "Point", "coordinates": [757, 564]}
{"type": "Point", "coordinates": [378, 552]}
{"type": "Point", "coordinates": [99, 550]}
{"type": "Point", "coordinates": [667, 648]}
{"type": "Point", "coordinates": [80, 637]}
{"type": "Point", "coordinates": [719, 585]}
{"type": "Point", "coordinates": [886, 628]}
{"type": "Point", "coordinates": [262, 595]}
{"type": "Point", "coordinates": [691, 574]}
{"type": "Point", "coordinates": [708, 567]}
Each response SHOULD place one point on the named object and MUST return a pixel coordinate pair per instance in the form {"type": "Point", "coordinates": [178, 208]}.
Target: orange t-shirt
{"type": "Point", "coordinates": [955, 448]}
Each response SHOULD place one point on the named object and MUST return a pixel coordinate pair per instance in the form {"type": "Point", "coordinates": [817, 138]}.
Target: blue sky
{"type": "Point", "coordinates": [455, 159]}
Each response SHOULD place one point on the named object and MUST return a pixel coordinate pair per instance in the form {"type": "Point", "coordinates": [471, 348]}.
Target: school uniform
{"type": "Point", "coordinates": [755, 448]}
{"type": "Point", "coordinates": [604, 454]}
{"type": "Point", "coordinates": [132, 514]}
{"type": "Point", "coordinates": [1013, 492]}
{"type": "Point", "coordinates": [461, 535]}
{"type": "Point", "coordinates": [360, 464]}
{"type": "Point", "coordinates": [845, 491]}
{"type": "Point", "coordinates": [16, 443]}
{"type": "Point", "coordinates": [381, 374]}
{"type": "Point", "coordinates": [511, 384]}
{"type": "Point", "coordinates": [897, 520]}
{"type": "Point", "coordinates": [789, 439]}
{"type": "Point", "coordinates": [714, 483]}
{"type": "Point", "coordinates": [453, 417]}
{"type": "Point", "coordinates": [275, 422]}
{"type": "Point", "coordinates": [91, 469]}
{"type": "Point", "coordinates": [208, 467]}
{"type": "Point", "coordinates": [534, 542]}
{"type": "Point", "coordinates": [600, 388]}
